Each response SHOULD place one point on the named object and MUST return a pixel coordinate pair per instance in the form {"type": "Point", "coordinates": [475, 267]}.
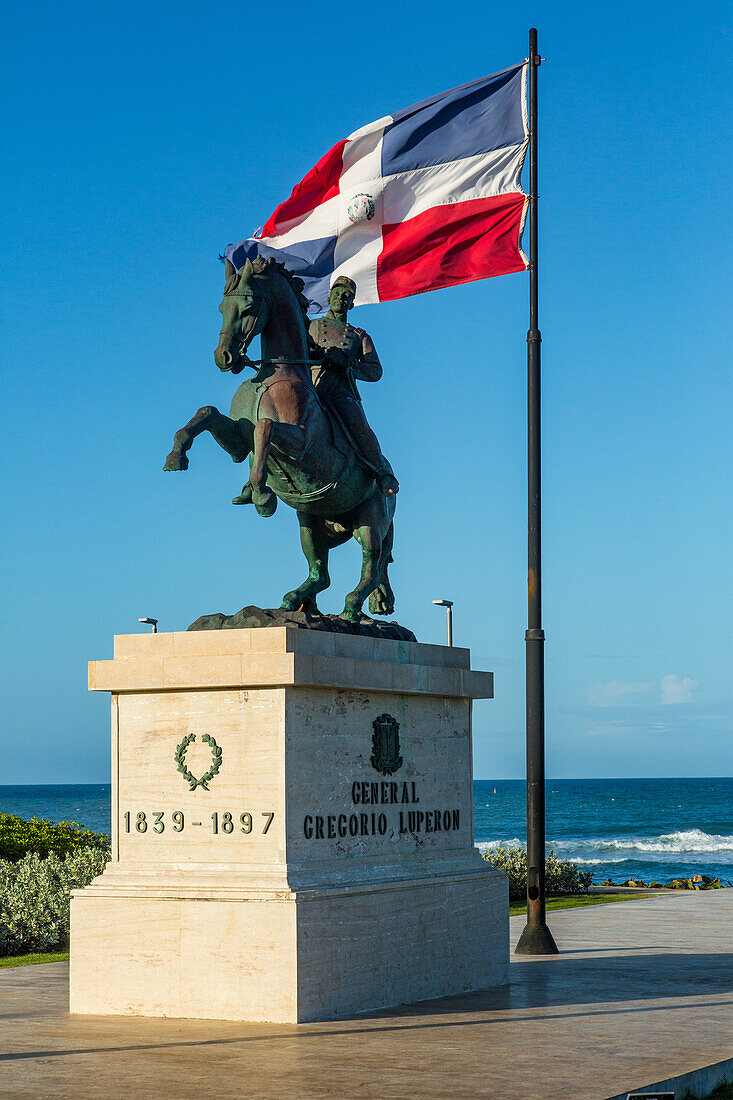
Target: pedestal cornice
{"type": "Point", "coordinates": [283, 657]}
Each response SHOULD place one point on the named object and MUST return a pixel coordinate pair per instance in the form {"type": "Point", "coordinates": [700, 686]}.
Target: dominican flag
{"type": "Point", "coordinates": [425, 198]}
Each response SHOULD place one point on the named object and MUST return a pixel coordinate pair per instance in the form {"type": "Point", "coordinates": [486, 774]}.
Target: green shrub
{"type": "Point", "coordinates": [723, 1091]}
{"type": "Point", "coordinates": [34, 898]}
{"type": "Point", "coordinates": [18, 837]}
{"type": "Point", "coordinates": [561, 876]}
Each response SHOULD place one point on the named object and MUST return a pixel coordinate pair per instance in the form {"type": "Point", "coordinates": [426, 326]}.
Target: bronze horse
{"type": "Point", "coordinates": [297, 450]}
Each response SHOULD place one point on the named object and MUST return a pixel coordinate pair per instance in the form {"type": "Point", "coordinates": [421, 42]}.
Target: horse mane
{"type": "Point", "coordinates": [265, 268]}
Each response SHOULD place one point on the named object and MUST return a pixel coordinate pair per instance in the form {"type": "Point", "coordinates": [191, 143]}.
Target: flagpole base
{"type": "Point", "coordinates": [536, 939]}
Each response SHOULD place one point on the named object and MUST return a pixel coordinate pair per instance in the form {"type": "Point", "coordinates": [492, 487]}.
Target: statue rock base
{"type": "Point", "coordinates": [253, 616]}
{"type": "Point", "coordinates": [291, 830]}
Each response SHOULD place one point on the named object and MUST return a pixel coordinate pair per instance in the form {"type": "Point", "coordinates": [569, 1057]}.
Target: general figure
{"type": "Point", "coordinates": [344, 354]}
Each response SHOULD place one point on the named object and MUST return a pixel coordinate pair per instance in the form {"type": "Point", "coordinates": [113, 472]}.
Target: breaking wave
{"type": "Point", "coordinates": [605, 850]}
{"type": "Point", "coordinates": [515, 842]}
{"type": "Point", "coordinates": [690, 840]}
{"type": "Point", "coordinates": [595, 862]}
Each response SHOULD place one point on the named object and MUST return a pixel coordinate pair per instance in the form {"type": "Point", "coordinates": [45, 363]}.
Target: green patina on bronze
{"type": "Point", "coordinates": [300, 423]}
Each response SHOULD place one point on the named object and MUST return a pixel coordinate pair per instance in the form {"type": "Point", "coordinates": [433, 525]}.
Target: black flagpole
{"type": "Point", "coordinates": [536, 939]}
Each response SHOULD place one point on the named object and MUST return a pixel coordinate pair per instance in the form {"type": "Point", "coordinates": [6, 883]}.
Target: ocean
{"type": "Point", "coordinates": [618, 828]}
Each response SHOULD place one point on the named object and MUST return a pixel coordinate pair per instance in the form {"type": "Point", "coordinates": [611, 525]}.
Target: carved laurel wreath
{"type": "Point", "coordinates": [180, 759]}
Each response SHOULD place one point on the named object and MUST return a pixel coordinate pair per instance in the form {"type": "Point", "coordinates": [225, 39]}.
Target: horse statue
{"type": "Point", "coordinates": [298, 450]}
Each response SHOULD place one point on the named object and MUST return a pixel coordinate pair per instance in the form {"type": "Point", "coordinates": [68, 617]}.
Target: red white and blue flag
{"type": "Point", "coordinates": [425, 198]}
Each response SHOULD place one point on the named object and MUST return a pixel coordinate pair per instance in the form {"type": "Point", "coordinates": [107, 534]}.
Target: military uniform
{"type": "Point", "coordinates": [345, 354]}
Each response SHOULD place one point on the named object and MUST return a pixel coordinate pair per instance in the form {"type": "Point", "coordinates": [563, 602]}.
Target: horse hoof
{"type": "Point", "coordinates": [381, 607]}
{"type": "Point", "coordinates": [265, 503]}
{"type": "Point", "coordinates": [176, 462]}
{"type": "Point", "coordinates": [349, 615]}
{"type": "Point", "coordinates": [293, 602]}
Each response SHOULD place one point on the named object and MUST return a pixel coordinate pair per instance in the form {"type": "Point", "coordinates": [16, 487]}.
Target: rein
{"type": "Point", "coordinates": [282, 359]}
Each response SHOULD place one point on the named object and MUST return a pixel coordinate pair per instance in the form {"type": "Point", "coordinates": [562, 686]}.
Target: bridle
{"type": "Point", "coordinates": [244, 342]}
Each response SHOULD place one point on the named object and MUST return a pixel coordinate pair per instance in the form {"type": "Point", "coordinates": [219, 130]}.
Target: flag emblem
{"type": "Point", "coordinates": [424, 198]}
{"type": "Point", "coordinates": [361, 208]}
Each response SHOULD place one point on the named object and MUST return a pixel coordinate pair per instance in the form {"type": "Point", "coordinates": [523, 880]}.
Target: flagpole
{"type": "Point", "coordinates": [536, 939]}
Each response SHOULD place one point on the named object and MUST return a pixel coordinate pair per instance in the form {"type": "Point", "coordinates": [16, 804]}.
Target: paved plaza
{"type": "Point", "coordinates": [642, 992]}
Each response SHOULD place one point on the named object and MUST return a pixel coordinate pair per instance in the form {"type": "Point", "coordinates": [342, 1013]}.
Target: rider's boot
{"type": "Point", "coordinates": [245, 497]}
{"type": "Point", "coordinates": [387, 483]}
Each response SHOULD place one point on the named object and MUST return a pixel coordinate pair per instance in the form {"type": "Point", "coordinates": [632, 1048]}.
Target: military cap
{"type": "Point", "coordinates": [344, 280]}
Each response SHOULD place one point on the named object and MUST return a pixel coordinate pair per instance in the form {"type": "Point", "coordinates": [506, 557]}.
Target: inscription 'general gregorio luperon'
{"type": "Point", "coordinates": [436, 819]}
{"type": "Point", "coordinates": [335, 826]}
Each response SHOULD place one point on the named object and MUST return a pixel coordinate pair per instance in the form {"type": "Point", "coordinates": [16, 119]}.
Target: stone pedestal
{"type": "Point", "coordinates": [292, 830]}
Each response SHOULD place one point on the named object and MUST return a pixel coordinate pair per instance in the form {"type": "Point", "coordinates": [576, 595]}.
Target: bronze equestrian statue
{"type": "Point", "coordinates": [300, 423]}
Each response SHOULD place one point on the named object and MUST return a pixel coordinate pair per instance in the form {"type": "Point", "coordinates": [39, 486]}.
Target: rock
{"type": "Point", "coordinates": [253, 616]}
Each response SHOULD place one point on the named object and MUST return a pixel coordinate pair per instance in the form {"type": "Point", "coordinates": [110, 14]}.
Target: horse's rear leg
{"type": "Point", "coordinates": [316, 542]}
{"type": "Point", "coordinates": [370, 544]}
{"type": "Point", "coordinates": [227, 433]}
{"type": "Point", "coordinates": [381, 601]}
{"type": "Point", "coordinates": [370, 525]}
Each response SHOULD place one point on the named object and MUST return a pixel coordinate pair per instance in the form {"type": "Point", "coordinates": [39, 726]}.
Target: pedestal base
{"type": "Point", "coordinates": [292, 831]}
{"type": "Point", "coordinates": [314, 956]}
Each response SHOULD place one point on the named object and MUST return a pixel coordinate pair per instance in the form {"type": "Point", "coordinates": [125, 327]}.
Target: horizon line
{"type": "Point", "coordinates": [476, 779]}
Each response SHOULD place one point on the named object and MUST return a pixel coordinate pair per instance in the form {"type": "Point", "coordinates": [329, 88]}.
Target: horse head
{"type": "Point", "coordinates": [261, 289]}
{"type": "Point", "coordinates": [244, 309]}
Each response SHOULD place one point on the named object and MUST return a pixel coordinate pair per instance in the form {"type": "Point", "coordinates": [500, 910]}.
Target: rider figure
{"type": "Point", "coordinates": [346, 353]}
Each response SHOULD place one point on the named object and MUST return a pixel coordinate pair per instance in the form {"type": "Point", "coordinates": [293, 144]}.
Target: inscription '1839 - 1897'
{"type": "Point", "coordinates": [220, 822]}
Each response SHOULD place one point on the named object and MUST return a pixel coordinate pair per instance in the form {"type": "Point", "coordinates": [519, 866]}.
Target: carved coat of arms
{"type": "Point", "coordinates": [386, 757]}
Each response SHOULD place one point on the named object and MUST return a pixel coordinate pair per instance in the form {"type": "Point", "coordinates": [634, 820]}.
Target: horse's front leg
{"type": "Point", "coordinates": [289, 438]}
{"type": "Point", "coordinates": [227, 433]}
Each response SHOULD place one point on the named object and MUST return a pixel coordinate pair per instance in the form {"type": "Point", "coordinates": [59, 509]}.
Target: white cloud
{"type": "Point", "coordinates": [616, 693]}
{"type": "Point", "coordinates": [674, 690]}
{"type": "Point", "coordinates": [611, 729]}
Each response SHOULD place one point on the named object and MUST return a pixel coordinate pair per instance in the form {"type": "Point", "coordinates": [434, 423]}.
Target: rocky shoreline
{"type": "Point", "coordinates": [696, 882]}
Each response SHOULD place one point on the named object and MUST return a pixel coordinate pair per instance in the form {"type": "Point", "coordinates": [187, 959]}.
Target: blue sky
{"type": "Point", "coordinates": [141, 139]}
